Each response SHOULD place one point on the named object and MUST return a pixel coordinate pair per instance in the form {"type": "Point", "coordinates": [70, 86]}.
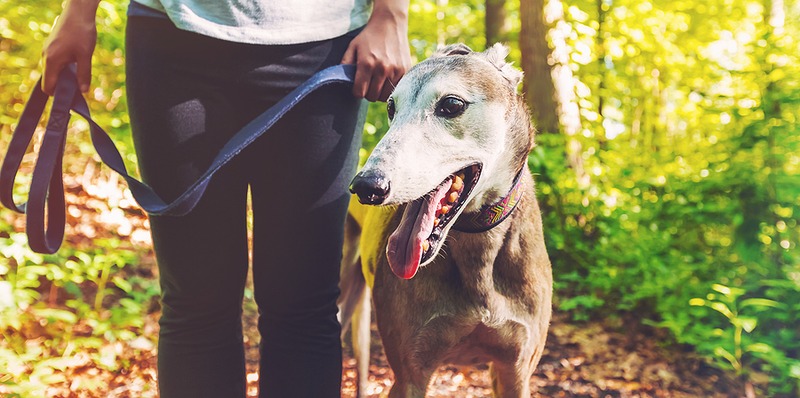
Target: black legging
{"type": "Point", "coordinates": [187, 95]}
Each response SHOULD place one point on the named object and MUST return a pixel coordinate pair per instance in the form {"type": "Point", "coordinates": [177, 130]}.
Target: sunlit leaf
{"type": "Point", "coordinates": [759, 302]}
{"type": "Point", "coordinates": [748, 324]}
{"type": "Point", "coordinates": [722, 309]}
{"type": "Point", "coordinates": [54, 314]}
{"type": "Point", "coordinates": [759, 347]}
{"type": "Point", "coordinates": [697, 302]}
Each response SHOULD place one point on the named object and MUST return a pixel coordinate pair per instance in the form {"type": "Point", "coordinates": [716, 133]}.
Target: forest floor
{"type": "Point", "coordinates": [582, 359]}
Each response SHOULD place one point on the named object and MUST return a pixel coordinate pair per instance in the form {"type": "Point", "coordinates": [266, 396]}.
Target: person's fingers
{"type": "Point", "coordinates": [380, 65]}
{"type": "Point", "coordinates": [398, 75]}
{"type": "Point", "coordinates": [364, 73]}
{"type": "Point", "coordinates": [388, 87]}
{"type": "Point", "coordinates": [85, 73]}
{"type": "Point", "coordinates": [52, 68]}
{"type": "Point", "coordinates": [349, 57]}
{"type": "Point", "coordinates": [377, 81]}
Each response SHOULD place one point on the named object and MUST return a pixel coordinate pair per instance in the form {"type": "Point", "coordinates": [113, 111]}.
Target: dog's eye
{"type": "Point", "coordinates": [450, 107]}
{"type": "Point", "coordinates": [390, 108]}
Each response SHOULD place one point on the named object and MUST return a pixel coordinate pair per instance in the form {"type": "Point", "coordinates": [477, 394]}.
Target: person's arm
{"type": "Point", "coordinates": [72, 40]}
{"type": "Point", "coordinates": [381, 51]}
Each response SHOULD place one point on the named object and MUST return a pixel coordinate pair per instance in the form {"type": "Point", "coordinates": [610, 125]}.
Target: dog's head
{"type": "Point", "coordinates": [459, 134]}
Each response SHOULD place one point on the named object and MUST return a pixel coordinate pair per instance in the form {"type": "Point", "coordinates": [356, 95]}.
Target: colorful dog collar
{"type": "Point", "coordinates": [490, 216]}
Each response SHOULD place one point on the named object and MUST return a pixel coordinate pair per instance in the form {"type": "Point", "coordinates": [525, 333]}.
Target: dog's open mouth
{"type": "Point", "coordinates": [422, 229]}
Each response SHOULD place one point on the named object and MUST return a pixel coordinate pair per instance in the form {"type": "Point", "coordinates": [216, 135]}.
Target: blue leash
{"type": "Point", "coordinates": [46, 194]}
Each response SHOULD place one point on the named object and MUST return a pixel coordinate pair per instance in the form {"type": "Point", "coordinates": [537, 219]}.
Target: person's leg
{"type": "Point", "coordinates": [299, 173]}
{"type": "Point", "coordinates": [180, 118]}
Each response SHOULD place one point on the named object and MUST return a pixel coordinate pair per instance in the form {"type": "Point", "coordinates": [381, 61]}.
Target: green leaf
{"type": "Point", "coordinates": [721, 288]}
{"type": "Point", "coordinates": [727, 291]}
{"type": "Point", "coordinates": [795, 370]}
{"type": "Point", "coordinates": [31, 271]}
{"type": "Point", "coordinates": [722, 309]}
{"type": "Point", "coordinates": [124, 285]}
{"type": "Point", "coordinates": [748, 324]}
{"type": "Point", "coordinates": [54, 314]}
{"type": "Point", "coordinates": [722, 352]}
{"type": "Point", "coordinates": [759, 347]}
{"type": "Point", "coordinates": [760, 302]}
{"type": "Point", "coordinates": [697, 302]}
{"type": "Point", "coordinates": [52, 378]}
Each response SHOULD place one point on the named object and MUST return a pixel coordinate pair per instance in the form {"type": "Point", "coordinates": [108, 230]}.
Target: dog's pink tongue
{"type": "Point", "coordinates": [404, 250]}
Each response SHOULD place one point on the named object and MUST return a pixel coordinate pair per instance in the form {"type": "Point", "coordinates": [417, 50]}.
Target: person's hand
{"type": "Point", "coordinates": [72, 40]}
{"type": "Point", "coordinates": [380, 51]}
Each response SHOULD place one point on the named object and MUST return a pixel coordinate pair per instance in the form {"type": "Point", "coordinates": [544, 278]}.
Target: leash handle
{"type": "Point", "coordinates": [46, 194]}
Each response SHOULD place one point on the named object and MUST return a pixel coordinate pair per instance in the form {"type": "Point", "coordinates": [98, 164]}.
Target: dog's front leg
{"type": "Point", "coordinates": [410, 387]}
{"type": "Point", "coordinates": [511, 381]}
{"type": "Point", "coordinates": [512, 378]}
{"type": "Point", "coordinates": [425, 350]}
{"type": "Point", "coordinates": [411, 377]}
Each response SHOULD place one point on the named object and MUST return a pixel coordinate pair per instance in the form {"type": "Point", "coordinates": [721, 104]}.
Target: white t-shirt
{"type": "Point", "coordinates": [266, 21]}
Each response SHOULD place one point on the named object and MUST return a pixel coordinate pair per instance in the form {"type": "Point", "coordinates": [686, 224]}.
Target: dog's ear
{"type": "Point", "coordinates": [497, 54]}
{"type": "Point", "coordinates": [453, 49]}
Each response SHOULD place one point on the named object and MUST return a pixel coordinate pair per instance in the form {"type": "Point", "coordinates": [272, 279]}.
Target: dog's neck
{"type": "Point", "coordinates": [491, 215]}
{"type": "Point", "coordinates": [482, 258]}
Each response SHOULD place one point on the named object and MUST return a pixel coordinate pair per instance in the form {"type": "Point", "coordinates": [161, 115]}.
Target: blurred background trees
{"type": "Point", "coordinates": [668, 166]}
{"type": "Point", "coordinates": [676, 197]}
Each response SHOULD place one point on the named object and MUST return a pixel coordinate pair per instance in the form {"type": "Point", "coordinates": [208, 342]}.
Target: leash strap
{"type": "Point", "coordinates": [46, 194]}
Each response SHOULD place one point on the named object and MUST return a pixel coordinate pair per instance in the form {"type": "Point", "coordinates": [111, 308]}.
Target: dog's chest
{"type": "Point", "coordinates": [490, 315]}
{"type": "Point", "coordinates": [502, 342]}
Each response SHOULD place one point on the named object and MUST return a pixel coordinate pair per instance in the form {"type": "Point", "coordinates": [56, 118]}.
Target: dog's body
{"type": "Point", "coordinates": [459, 137]}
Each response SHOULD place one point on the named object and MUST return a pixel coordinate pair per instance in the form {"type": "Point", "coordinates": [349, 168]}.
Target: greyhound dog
{"type": "Point", "coordinates": [455, 256]}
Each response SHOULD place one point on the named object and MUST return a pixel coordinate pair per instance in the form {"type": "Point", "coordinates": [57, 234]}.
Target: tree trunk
{"type": "Point", "coordinates": [495, 19]}
{"type": "Point", "coordinates": [538, 83]}
{"type": "Point", "coordinates": [601, 56]}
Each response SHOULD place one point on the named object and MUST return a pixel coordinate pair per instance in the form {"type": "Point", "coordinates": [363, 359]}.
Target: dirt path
{"type": "Point", "coordinates": [581, 360]}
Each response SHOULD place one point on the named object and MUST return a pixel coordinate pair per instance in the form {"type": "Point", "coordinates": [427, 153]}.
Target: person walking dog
{"type": "Point", "coordinates": [197, 71]}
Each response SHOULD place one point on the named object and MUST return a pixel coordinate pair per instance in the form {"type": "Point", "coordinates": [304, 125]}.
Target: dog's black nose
{"type": "Point", "coordinates": [372, 187]}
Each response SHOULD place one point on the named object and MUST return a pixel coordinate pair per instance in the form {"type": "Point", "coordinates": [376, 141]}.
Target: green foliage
{"type": "Point", "coordinates": [44, 334]}
{"type": "Point", "coordinates": [730, 345]}
{"type": "Point", "coordinates": [684, 176]}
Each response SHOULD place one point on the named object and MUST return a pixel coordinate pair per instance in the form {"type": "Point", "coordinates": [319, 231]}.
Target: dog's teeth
{"type": "Point", "coordinates": [458, 183]}
{"type": "Point", "coordinates": [436, 222]}
{"type": "Point", "coordinates": [445, 209]}
{"type": "Point", "coordinates": [425, 245]}
{"type": "Point", "coordinates": [453, 197]}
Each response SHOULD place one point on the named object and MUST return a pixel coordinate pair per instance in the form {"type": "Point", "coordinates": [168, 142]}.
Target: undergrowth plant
{"type": "Point", "coordinates": [730, 344]}
{"type": "Point", "coordinates": [66, 311]}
